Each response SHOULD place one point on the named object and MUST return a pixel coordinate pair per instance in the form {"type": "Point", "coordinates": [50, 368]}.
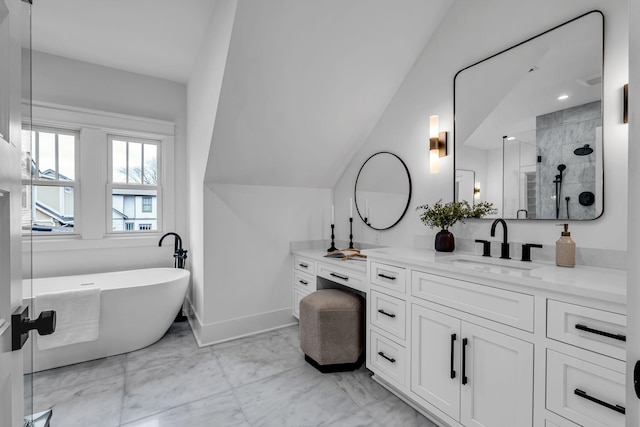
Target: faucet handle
{"type": "Point", "coordinates": [486, 247]}
{"type": "Point", "coordinates": [526, 250]}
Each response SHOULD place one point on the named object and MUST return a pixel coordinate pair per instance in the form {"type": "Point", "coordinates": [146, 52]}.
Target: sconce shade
{"type": "Point", "coordinates": [437, 144]}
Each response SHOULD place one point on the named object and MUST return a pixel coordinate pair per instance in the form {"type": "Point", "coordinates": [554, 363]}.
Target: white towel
{"type": "Point", "coordinates": [77, 316]}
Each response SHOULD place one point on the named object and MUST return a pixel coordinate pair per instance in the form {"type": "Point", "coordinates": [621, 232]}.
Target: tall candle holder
{"type": "Point", "coordinates": [333, 245]}
{"type": "Point", "coordinates": [351, 233]}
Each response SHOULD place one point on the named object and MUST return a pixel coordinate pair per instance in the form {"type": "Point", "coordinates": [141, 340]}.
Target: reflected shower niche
{"type": "Point", "coordinates": [528, 125]}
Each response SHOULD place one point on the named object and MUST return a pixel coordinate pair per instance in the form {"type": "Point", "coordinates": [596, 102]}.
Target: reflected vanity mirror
{"type": "Point", "coordinates": [528, 125]}
{"type": "Point", "coordinates": [382, 190]}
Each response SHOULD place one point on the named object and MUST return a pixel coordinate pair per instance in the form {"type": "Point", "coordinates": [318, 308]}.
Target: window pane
{"type": "Point", "coordinates": [26, 153]}
{"type": "Point", "coordinates": [47, 153]}
{"type": "Point", "coordinates": [119, 160]}
{"type": "Point", "coordinates": [26, 207]}
{"type": "Point", "coordinates": [135, 163]}
{"type": "Point", "coordinates": [52, 209]}
{"type": "Point", "coordinates": [134, 210]}
{"type": "Point", "coordinates": [150, 164]}
{"type": "Point", "coordinates": [66, 157]}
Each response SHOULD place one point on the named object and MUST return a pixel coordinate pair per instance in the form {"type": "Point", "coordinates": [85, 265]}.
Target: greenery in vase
{"type": "Point", "coordinates": [444, 215]}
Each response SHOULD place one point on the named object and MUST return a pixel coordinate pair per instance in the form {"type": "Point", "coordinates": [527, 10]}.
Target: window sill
{"type": "Point", "coordinates": [71, 243]}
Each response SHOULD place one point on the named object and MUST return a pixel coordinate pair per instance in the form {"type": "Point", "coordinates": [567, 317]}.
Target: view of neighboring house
{"type": "Point", "coordinates": [134, 210]}
{"type": "Point", "coordinates": [53, 209]}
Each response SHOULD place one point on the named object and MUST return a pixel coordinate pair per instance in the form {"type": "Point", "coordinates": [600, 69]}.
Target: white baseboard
{"type": "Point", "coordinates": [213, 333]}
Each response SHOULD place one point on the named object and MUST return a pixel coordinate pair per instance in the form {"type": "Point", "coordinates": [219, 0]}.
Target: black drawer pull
{"type": "Point", "coordinates": [390, 359]}
{"type": "Point", "coordinates": [304, 282]}
{"type": "Point", "coordinates": [465, 380]}
{"type": "Point", "coordinates": [384, 276]}
{"type": "Point", "coordinates": [303, 265]}
{"type": "Point", "coordinates": [584, 395]}
{"type": "Point", "coordinates": [345, 278]}
{"type": "Point", "coordinates": [453, 340]}
{"type": "Point", "coordinates": [585, 328]}
{"type": "Point", "coordinates": [386, 314]}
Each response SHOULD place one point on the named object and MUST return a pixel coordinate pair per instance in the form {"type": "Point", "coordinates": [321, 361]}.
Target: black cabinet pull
{"type": "Point", "coordinates": [453, 340]}
{"type": "Point", "coordinates": [465, 380]}
{"type": "Point", "coordinates": [384, 276]}
{"type": "Point", "coordinates": [304, 282]}
{"type": "Point", "coordinates": [585, 328]}
{"type": "Point", "coordinates": [386, 314]}
{"type": "Point", "coordinates": [345, 278]}
{"type": "Point", "coordinates": [390, 359]}
{"type": "Point", "coordinates": [584, 395]}
{"type": "Point", "coordinates": [303, 265]}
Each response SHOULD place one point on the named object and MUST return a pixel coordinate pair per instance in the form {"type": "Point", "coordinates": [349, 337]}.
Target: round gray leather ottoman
{"type": "Point", "coordinates": [332, 330]}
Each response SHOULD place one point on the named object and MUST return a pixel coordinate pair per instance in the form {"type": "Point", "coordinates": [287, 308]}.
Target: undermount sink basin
{"type": "Point", "coordinates": [487, 263]}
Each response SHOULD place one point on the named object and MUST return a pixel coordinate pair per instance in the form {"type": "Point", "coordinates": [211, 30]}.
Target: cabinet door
{"type": "Point", "coordinates": [435, 359]}
{"type": "Point", "coordinates": [498, 391]}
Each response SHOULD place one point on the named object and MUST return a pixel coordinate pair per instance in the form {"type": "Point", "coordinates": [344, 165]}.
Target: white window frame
{"type": "Point", "coordinates": [37, 181]}
{"type": "Point", "coordinates": [111, 185]}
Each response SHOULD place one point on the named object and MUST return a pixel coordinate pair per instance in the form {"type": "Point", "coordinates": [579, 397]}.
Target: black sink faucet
{"type": "Point", "coordinates": [179, 254]}
{"type": "Point", "coordinates": [504, 252]}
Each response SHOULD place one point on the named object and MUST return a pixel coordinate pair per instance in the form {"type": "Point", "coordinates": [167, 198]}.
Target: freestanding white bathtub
{"type": "Point", "coordinates": [137, 307]}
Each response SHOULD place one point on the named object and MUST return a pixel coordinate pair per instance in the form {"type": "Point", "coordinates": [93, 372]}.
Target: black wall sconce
{"type": "Point", "coordinates": [437, 144]}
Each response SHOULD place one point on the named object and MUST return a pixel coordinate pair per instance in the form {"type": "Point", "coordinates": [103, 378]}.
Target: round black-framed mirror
{"type": "Point", "coordinates": [383, 190]}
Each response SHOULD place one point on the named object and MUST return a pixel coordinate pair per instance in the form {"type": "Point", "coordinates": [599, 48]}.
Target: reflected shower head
{"type": "Point", "coordinates": [583, 151]}
{"type": "Point", "coordinates": [561, 167]}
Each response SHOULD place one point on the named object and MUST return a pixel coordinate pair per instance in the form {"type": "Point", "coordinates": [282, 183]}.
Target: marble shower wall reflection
{"type": "Point", "coordinates": [558, 136]}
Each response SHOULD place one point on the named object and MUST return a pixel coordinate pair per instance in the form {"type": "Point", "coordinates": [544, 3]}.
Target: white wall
{"type": "Point", "coordinates": [471, 31]}
{"type": "Point", "coordinates": [79, 84]}
{"type": "Point", "coordinates": [248, 266]}
{"type": "Point", "coordinates": [203, 93]}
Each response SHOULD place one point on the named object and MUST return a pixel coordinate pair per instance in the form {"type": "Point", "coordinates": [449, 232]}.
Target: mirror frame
{"type": "Point", "coordinates": [602, 100]}
{"type": "Point", "coordinates": [355, 190]}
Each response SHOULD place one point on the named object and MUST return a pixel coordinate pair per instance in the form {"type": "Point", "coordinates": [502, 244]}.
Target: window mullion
{"type": "Point", "coordinates": [126, 166]}
{"type": "Point", "coordinates": [142, 166]}
{"type": "Point", "coordinates": [56, 157]}
{"type": "Point", "coordinates": [36, 174]}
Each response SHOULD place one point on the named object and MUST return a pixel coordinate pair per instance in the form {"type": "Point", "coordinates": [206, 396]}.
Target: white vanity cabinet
{"type": "Point", "coordinates": [496, 347]}
{"type": "Point", "coordinates": [476, 376]}
{"type": "Point", "coordinates": [304, 281]}
{"type": "Point", "coordinates": [313, 271]}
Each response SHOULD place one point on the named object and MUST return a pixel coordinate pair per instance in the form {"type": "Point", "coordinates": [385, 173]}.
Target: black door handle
{"type": "Point", "coordinates": [386, 314]}
{"type": "Point", "coordinates": [584, 395]}
{"type": "Point", "coordinates": [345, 278]}
{"type": "Point", "coordinates": [390, 359]}
{"type": "Point", "coordinates": [453, 340]}
{"type": "Point", "coordinates": [465, 380]}
{"type": "Point", "coordinates": [45, 324]}
{"type": "Point", "coordinates": [585, 328]}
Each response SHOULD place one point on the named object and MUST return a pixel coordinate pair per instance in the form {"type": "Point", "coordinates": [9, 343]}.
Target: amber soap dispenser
{"type": "Point", "coordinates": [565, 249]}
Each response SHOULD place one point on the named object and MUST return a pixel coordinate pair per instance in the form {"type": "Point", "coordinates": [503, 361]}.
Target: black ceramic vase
{"type": "Point", "coordinates": [445, 241]}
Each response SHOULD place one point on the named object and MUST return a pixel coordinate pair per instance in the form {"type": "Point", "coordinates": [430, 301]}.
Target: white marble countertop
{"type": "Point", "coordinates": [605, 284]}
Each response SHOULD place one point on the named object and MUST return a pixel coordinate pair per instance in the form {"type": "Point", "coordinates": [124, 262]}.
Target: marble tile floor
{"type": "Point", "coordinates": [260, 380]}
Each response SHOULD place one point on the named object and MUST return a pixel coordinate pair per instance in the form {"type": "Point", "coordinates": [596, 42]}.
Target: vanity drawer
{"type": "Point", "coordinates": [508, 307]}
{"type": "Point", "coordinates": [387, 359]}
{"type": "Point", "coordinates": [304, 264]}
{"type": "Point", "coordinates": [304, 280]}
{"type": "Point", "coordinates": [596, 330]}
{"type": "Point", "coordinates": [387, 313]}
{"type": "Point", "coordinates": [388, 276]}
{"type": "Point", "coordinates": [584, 393]}
{"type": "Point", "coordinates": [342, 276]}
{"type": "Point", "coordinates": [298, 294]}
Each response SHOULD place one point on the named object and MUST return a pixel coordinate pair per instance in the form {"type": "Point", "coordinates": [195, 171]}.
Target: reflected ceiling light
{"type": "Point", "coordinates": [563, 97]}
{"type": "Point", "coordinates": [437, 144]}
{"type": "Point", "coordinates": [511, 138]}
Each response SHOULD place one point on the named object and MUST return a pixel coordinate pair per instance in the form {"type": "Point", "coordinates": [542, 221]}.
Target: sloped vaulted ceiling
{"type": "Point", "coordinates": [306, 81]}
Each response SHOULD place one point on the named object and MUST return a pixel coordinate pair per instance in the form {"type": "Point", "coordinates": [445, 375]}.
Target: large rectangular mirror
{"type": "Point", "coordinates": [528, 124]}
